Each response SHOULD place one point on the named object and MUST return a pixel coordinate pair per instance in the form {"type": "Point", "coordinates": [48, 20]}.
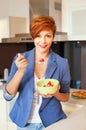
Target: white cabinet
{"type": "Point", "coordinates": [5, 122]}
{"type": "Point", "coordinates": [11, 126]}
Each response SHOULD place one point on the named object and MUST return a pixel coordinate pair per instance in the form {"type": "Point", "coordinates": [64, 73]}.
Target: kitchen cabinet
{"type": "Point", "coordinates": [7, 52]}
{"type": "Point", "coordinates": [3, 119]}
{"type": "Point", "coordinates": [74, 51]}
{"type": "Point", "coordinates": [83, 65]}
{"type": "Point", "coordinates": [5, 122]}
{"type": "Point", "coordinates": [11, 126]}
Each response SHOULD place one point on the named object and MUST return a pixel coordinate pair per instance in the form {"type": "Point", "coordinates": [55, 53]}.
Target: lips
{"type": "Point", "coordinates": [43, 46]}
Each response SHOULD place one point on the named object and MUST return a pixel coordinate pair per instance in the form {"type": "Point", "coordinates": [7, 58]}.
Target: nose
{"type": "Point", "coordinates": [43, 40]}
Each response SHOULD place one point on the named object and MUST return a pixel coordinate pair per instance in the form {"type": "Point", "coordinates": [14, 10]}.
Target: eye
{"type": "Point", "coordinates": [49, 35]}
{"type": "Point", "coordinates": [38, 35]}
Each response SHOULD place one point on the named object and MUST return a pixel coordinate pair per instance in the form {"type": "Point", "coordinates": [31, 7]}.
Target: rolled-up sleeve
{"type": "Point", "coordinates": [6, 95]}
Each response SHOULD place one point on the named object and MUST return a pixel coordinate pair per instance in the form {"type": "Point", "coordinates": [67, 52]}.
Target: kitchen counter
{"type": "Point", "coordinates": [76, 112]}
{"type": "Point", "coordinates": [75, 109]}
{"type": "Point", "coordinates": [76, 121]}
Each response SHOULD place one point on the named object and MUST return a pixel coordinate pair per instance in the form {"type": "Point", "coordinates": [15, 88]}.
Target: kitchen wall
{"type": "Point", "coordinates": [14, 8]}
{"type": "Point", "coordinates": [27, 9]}
{"type": "Point", "coordinates": [74, 19]}
{"type": "Point", "coordinates": [73, 15]}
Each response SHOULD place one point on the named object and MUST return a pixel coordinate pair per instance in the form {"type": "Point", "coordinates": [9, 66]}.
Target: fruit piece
{"type": "Point", "coordinates": [50, 84]}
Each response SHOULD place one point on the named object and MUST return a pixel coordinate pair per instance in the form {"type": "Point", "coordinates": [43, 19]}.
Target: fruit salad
{"type": "Point", "coordinates": [49, 84]}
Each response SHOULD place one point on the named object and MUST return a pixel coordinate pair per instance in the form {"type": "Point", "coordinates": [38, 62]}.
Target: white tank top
{"type": "Point", "coordinates": [34, 116]}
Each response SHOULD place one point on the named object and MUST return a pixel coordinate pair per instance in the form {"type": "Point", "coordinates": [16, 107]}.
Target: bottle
{"type": "Point", "coordinates": [78, 84]}
{"type": "Point", "coordinates": [5, 74]}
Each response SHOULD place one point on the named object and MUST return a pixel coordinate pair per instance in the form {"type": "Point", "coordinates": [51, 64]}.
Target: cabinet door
{"type": "Point", "coordinates": [83, 65]}
{"type": "Point", "coordinates": [11, 126]}
{"type": "Point", "coordinates": [3, 119]}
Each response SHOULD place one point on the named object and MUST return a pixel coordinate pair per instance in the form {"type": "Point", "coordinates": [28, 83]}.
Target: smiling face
{"type": "Point", "coordinates": [43, 41]}
{"type": "Point", "coordinates": [42, 30]}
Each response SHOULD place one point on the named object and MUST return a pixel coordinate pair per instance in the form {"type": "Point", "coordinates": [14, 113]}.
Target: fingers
{"type": "Point", "coordinates": [47, 96]}
{"type": "Point", "coordinates": [20, 57]}
{"type": "Point", "coordinates": [21, 61]}
{"type": "Point", "coordinates": [59, 86]}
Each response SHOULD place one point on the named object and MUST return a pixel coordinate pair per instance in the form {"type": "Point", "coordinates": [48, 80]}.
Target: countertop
{"type": "Point", "coordinates": [75, 110]}
{"type": "Point", "coordinates": [76, 119]}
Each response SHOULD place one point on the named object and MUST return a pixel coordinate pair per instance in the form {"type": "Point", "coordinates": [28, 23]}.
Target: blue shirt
{"type": "Point", "coordinates": [50, 110]}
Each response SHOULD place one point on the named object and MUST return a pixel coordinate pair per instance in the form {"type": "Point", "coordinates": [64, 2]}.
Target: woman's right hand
{"type": "Point", "coordinates": [21, 62]}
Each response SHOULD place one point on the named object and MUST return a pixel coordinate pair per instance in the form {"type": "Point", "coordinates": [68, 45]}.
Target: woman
{"type": "Point", "coordinates": [32, 110]}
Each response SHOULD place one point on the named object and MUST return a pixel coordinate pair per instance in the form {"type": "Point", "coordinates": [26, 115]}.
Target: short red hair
{"type": "Point", "coordinates": [41, 23]}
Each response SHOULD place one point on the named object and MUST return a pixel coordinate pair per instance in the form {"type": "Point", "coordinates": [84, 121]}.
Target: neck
{"type": "Point", "coordinates": [39, 55]}
{"type": "Point", "coordinates": [41, 58]}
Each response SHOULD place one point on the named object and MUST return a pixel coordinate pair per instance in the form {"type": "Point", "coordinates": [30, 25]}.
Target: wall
{"type": "Point", "coordinates": [4, 8]}
{"type": "Point", "coordinates": [72, 15]}
{"type": "Point", "coordinates": [20, 8]}
{"type": "Point", "coordinates": [74, 19]}
{"type": "Point", "coordinates": [15, 8]}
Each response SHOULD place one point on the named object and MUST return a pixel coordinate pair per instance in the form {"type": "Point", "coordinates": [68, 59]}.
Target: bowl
{"type": "Point", "coordinates": [48, 86]}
